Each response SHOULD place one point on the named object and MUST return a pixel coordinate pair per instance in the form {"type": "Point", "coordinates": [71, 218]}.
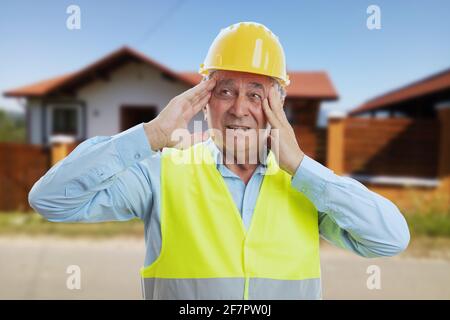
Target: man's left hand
{"type": "Point", "coordinates": [282, 137]}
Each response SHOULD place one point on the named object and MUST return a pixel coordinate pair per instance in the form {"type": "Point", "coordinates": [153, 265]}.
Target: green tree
{"type": "Point", "coordinates": [12, 129]}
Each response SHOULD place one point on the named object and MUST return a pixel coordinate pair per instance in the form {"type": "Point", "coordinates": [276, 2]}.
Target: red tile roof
{"type": "Point", "coordinates": [311, 85]}
{"type": "Point", "coordinates": [423, 87]}
{"type": "Point", "coordinates": [40, 88]}
{"type": "Point", "coordinates": [315, 85]}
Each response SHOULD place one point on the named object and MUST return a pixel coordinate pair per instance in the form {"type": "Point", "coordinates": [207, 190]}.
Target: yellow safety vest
{"type": "Point", "coordinates": [206, 251]}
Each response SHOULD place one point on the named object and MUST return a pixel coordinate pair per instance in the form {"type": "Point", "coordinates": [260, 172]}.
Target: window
{"type": "Point", "coordinates": [64, 121]}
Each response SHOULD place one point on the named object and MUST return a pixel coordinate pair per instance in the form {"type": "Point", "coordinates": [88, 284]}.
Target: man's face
{"type": "Point", "coordinates": [235, 110]}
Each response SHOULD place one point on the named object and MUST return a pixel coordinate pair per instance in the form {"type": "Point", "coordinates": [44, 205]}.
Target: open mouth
{"type": "Point", "coordinates": [236, 127]}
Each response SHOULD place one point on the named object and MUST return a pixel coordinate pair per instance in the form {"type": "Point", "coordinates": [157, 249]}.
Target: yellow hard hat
{"type": "Point", "coordinates": [247, 47]}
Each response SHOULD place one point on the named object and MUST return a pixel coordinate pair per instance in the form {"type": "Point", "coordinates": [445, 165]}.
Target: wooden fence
{"type": "Point", "coordinates": [391, 147]}
{"type": "Point", "coordinates": [21, 165]}
{"type": "Point", "coordinates": [312, 141]}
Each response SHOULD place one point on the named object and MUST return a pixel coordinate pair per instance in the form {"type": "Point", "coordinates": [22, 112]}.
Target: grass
{"type": "Point", "coordinates": [430, 225]}
{"type": "Point", "coordinates": [429, 217]}
{"type": "Point", "coordinates": [32, 224]}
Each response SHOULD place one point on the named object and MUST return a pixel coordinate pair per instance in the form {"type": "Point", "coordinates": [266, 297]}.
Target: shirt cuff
{"type": "Point", "coordinates": [133, 145]}
{"type": "Point", "coordinates": [311, 179]}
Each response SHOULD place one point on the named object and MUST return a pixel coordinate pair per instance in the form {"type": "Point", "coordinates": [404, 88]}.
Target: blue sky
{"type": "Point", "coordinates": [414, 40]}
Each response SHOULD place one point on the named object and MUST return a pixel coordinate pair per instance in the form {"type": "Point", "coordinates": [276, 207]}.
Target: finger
{"type": "Point", "coordinates": [197, 106]}
{"type": "Point", "coordinates": [269, 113]}
{"type": "Point", "coordinates": [193, 93]}
{"type": "Point", "coordinates": [203, 101]}
{"type": "Point", "coordinates": [196, 98]}
{"type": "Point", "coordinates": [276, 96]}
{"type": "Point", "coordinates": [275, 103]}
{"type": "Point", "coordinates": [211, 83]}
{"type": "Point", "coordinates": [201, 88]}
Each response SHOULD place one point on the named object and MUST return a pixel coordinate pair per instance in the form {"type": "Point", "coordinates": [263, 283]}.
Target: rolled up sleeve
{"type": "Point", "coordinates": [100, 180]}
{"type": "Point", "coordinates": [350, 215]}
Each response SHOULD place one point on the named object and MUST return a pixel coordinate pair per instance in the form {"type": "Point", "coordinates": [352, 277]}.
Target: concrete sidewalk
{"type": "Point", "coordinates": [35, 268]}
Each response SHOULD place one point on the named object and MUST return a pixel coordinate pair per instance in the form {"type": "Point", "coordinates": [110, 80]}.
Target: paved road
{"type": "Point", "coordinates": [36, 269]}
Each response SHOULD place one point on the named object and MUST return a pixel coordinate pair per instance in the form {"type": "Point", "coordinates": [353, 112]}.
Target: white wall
{"type": "Point", "coordinates": [133, 83]}
{"type": "Point", "coordinates": [35, 109]}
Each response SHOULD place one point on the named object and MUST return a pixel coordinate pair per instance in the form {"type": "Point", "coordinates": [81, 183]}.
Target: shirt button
{"type": "Point", "coordinates": [137, 156]}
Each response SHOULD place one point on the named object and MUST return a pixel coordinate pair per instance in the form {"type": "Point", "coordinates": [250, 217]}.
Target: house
{"type": "Point", "coordinates": [398, 141]}
{"type": "Point", "coordinates": [415, 100]}
{"type": "Point", "coordinates": [125, 88]}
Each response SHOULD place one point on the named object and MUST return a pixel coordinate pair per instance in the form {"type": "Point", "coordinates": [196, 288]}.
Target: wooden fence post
{"type": "Point", "coordinates": [443, 110]}
{"type": "Point", "coordinates": [60, 147]}
{"type": "Point", "coordinates": [335, 142]}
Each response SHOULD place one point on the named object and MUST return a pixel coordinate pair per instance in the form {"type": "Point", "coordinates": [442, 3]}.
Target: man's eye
{"type": "Point", "coordinates": [226, 92]}
{"type": "Point", "coordinates": [257, 96]}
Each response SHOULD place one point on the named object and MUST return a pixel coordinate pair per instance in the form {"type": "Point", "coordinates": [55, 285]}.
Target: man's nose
{"type": "Point", "coordinates": [240, 107]}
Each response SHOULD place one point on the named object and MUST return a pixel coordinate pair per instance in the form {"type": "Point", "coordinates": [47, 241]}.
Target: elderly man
{"type": "Point", "coordinates": [240, 216]}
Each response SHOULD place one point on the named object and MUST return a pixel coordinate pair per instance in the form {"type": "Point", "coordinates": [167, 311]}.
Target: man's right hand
{"type": "Point", "coordinates": [177, 114]}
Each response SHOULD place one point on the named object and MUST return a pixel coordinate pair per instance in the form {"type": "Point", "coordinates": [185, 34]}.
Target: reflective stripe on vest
{"type": "Point", "coordinates": [206, 251]}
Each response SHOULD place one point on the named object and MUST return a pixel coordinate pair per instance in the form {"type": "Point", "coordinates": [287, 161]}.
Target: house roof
{"type": "Point", "coordinates": [303, 84]}
{"type": "Point", "coordinates": [90, 72]}
{"type": "Point", "coordinates": [40, 88]}
{"type": "Point", "coordinates": [311, 85]}
{"type": "Point", "coordinates": [420, 88]}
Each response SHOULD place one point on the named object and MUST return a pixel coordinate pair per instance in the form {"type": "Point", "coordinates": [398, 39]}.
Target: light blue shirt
{"type": "Point", "coordinates": [118, 178]}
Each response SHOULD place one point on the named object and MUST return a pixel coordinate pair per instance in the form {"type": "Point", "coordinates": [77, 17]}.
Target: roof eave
{"type": "Point", "coordinates": [314, 97]}
{"type": "Point", "coordinates": [12, 94]}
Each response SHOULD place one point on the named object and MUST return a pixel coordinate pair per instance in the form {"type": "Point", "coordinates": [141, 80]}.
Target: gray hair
{"type": "Point", "coordinates": [275, 82]}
